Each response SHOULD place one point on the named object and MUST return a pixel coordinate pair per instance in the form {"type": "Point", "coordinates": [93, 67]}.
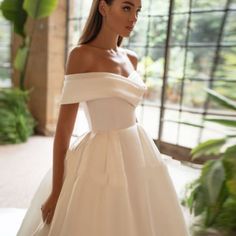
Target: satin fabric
{"type": "Point", "coordinates": [115, 181]}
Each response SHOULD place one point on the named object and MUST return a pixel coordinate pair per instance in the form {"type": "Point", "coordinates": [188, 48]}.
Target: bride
{"type": "Point", "coordinates": [112, 180]}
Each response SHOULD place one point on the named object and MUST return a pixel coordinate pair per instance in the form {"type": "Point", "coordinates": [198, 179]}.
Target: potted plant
{"type": "Point", "coordinates": [211, 198]}
{"type": "Point", "coordinates": [13, 101]}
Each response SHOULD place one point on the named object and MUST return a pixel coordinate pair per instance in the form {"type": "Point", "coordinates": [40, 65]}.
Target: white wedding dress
{"type": "Point", "coordinates": [115, 181]}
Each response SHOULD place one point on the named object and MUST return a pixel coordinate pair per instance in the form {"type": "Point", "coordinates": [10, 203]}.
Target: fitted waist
{"type": "Point", "coordinates": [119, 130]}
{"type": "Point", "coordinates": [115, 124]}
{"type": "Point", "coordinates": [110, 114]}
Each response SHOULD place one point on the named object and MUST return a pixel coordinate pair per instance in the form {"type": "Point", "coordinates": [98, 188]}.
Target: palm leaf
{"type": "Point", "coordinates": [210, 147]}
{"type": "Point", "coordinates": [223, 121]}
{"type": "Point", "coordinates": [185, 123]}
{"type": "Point", "coordinates": [220, 99]}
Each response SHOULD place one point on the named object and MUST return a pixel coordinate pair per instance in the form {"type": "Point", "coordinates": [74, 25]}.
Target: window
{"type": "Point", "coordinates": [5, 52]}
{"type": "Point", "coordinates": [184, 47]}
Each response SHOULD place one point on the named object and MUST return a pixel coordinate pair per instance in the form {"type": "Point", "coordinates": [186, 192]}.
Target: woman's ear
{"type": "Point", "coordinates": [102, 7]}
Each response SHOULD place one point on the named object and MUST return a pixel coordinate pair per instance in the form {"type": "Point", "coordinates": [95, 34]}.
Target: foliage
{"type": "Point", "coordinates": [18, 12]}
{"type": "Point", "coordinates": [14, 12]}
{"type": "Point", "coordinates": [16, 122]}
{"type": "Point", "coordinates": [212, 197]}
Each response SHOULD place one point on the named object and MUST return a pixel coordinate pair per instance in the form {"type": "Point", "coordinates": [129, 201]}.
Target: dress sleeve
{"type": "Point", "coordinates": [90, 86]}
{"type": "Point", "coordinates": [83, 87]}
{"type": "Point", "coordinates": [74, 90]}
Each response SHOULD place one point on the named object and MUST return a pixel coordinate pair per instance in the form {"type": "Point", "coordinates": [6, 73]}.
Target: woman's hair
{"type": "Point", "coordinates": [94, 23]}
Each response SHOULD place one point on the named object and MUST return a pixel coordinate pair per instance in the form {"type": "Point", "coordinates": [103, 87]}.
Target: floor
{"type": "Point", "coordinates": [22, 167]}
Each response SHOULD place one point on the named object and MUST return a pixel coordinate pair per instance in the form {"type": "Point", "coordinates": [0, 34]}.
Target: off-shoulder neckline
{"type": "Point", "coordinates": [103, 72]}
{"type": "Point", "coordinates": [138, 82]}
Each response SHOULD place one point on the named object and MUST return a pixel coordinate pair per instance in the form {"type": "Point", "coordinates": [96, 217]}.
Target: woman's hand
{"type": "Point", "coordinates": [48, 208]}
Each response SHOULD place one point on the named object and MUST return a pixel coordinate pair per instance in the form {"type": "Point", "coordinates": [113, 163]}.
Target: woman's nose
{"type": "Point", "coordinates": [133, 17]}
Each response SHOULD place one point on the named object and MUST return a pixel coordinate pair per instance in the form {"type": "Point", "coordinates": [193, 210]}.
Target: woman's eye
{"type": "Point", "coordinates": [129, 8]}
{"type": "Point", "coordinates": [126, 8]}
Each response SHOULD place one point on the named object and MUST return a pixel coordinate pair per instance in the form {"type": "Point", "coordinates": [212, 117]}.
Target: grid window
{"type": "Point", "coordinates": [184, 47]}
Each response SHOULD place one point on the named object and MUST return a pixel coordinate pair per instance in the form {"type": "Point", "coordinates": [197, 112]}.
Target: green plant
{"type": "Point", "coordinates": [211, 198]}
{"type": "Point", "coordinates": [18, 12]}
{"type": "Point", "coordinates": [16, 122]}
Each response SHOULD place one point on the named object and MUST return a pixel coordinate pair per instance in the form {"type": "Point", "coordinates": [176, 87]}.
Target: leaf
{"type": "Point", "coordinates": [14, 12]}
{"type": "Point", "coordinates": [223, 121]}
{"type": "Point", "coordinates": [185, 123]}
{"type": "Point", "coordinates": [231, 185]}
{"type": "Point", "coordinates": [214, 180]}
{"type": "Point", "coordinates": [220, 99]}
{"type": "Point", "coordinates": [39, 8]}
{"type": "Point", "coordinates": [226, 219]}
{"type": "Point", "coordinates": [230, 166]}
{"type": "Point", "coordinates": [230, 152]}
{"type": "Point", "coordinates": [189, 194]}
{"type": "Point", "coordinates": [205, 169]}
{"type": "Point", "coordinates": [210, 147]}
{"type": "Point", "coordinates": [200, 200]}
{"type": "Point", "coordinates": [21, 57]}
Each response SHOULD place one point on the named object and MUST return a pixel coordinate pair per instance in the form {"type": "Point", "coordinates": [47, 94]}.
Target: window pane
{"type": "Point", "coordinates": [179, 28]}
{"type": "Point", "coordinates": [151, 62]}
{"type": "Point", "coordinates": [181, 5]}
{"type": "Point", "coordinates": [176, 65]}
{"type": "Point", "coordinates": [227, 64]}
{"type": "Point", "coordinates": [172, 92]}
{"type": "Point", "coordinates": [79, 8]}
{"type": "Point", "coordinates": [155, 7]}
{"type": "Point", "coordinates": [5, 74]}
{"type": "Point", "coordinates": [5, 53]}
{"type": "Point", "coordinates": [170, 129]}
{"type": "Point", "coordinates": [194, 93]}
{"type": "Point", "coordinates": [188, 135]}
{"type": "Point", "coordinates": [212, 130]}
{"type": "Point", "coordinates": [157, 33]}
{"type": "Point", "coordinates": [205, 27]}
{"type": "Point", "coordinates": [139, 35]}
{"type": "Point", "coordinates": [230, 28]}
{"type": "Point", "coordinates": [199, 62]}
{"type": "Point", "coordinates": [208, 4]}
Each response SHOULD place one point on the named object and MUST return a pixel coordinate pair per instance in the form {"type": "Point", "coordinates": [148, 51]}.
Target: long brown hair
{"type": "Point", "coordinates": [94, 23]}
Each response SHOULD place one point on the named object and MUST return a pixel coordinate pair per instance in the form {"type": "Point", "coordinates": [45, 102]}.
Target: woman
{"type": "Point", "coordinates": [112, 180]}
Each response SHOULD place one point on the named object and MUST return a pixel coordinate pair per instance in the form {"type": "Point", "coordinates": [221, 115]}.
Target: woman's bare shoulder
{"type": "Point", "coordinates": [79, 60]}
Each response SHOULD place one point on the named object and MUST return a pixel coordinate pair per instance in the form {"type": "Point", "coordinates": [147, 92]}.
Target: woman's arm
{"type": "Point", "coordinates": [77, 62]}
{"type": "Point", "coordinates": [64, 129]}
{"type": "Point", "coordinates": [67, 114]}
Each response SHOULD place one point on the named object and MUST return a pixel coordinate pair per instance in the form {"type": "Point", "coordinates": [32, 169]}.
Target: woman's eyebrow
{"type": "Point", "coordinates": [130, 3]}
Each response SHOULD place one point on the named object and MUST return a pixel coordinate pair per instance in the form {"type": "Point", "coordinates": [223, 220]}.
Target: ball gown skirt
{"type": "Point", "coordinates": [115, 181]}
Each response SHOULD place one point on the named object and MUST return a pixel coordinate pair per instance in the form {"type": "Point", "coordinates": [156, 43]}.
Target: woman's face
{"type": "Point", "coordinates": [121, 16]}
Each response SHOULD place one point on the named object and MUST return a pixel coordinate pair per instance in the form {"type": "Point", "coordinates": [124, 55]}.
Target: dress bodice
{"type": "Point", "coordinates": [109, 99]}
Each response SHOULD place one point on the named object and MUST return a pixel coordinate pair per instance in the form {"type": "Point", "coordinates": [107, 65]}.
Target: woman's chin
{"type": "Point", "coordinates": [125, 34]}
